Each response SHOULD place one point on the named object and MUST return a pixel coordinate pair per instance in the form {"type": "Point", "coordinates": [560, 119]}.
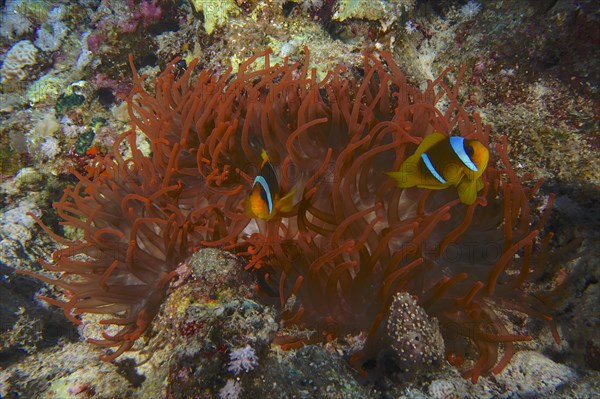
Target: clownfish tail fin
{"type": "Point", "coordinates": [408, 175]}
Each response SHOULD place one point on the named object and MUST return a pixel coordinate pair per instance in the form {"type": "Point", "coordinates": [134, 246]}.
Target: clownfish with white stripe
{"type": "Point", "coordinates": [265, 199]}
{"type": "Point", "coordinates": [441, 161]}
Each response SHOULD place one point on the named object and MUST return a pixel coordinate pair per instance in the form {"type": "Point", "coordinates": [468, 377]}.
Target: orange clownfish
{"type": "Point", "coordinates": [264, 200]}
{"type": "Point", "coordinates": [441, 161]}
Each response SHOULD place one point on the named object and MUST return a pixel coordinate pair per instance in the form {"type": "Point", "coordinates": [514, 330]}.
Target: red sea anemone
{"type": "Point", "coordinates": [353, 239]}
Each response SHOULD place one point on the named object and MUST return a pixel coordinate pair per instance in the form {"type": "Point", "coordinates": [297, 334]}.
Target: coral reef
{"type": "Point", "coordinates": [211, 322]}
{"type": "Point", "coordinates": [76, 371]}
{"type": "Point", "coordinates": [142, 215]}
{"type": "Point", "coordinates": [26, 327]}
{"type": "Point", "coordinates": [530, 70]}
{"type": "Point", "coordinates": [50, 35]}
{"type": "Point", "coordinates": [14, 21]}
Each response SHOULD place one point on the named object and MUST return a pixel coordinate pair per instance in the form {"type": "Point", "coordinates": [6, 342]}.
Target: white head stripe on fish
{"type": "Point", "coordinates": [458, 145]}
{"type": "Point", "coordinates": [432, 169]}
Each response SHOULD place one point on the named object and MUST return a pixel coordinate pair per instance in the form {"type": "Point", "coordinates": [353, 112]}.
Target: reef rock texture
{"type": "Point", "coordinates": [532, 374]}
{"type": "Point", "coordinates": [211, 330]}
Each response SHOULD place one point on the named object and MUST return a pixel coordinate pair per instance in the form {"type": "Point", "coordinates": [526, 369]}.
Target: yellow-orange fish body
{"type": "Point", "coordinates": [265, 199]}
{"type": "Point", "coordinates": [441, 161]}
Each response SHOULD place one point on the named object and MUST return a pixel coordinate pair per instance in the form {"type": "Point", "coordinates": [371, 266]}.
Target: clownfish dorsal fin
{"type": "Point", "coordinates": [264, 156]}
{"type": "Point", "coordinates": [429, 142]}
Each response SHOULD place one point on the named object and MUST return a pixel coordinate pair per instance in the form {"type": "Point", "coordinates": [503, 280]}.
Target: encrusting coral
{"type": "Point", "coordinates": [352, 241]}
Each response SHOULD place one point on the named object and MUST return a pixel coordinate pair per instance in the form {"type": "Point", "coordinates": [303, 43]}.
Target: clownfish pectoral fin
{"type": "Point", "coordinates": [467, 191]}
{"type": "Point", "coordinates": [286, 203]}
{"type": "Point", "coordinates": [480, 184]}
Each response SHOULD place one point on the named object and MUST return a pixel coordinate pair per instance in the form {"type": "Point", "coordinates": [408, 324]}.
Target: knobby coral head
{"type": "Point", "coordinates": [351, 241]}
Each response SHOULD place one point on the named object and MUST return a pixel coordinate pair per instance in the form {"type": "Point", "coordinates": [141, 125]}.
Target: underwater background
{"type": "Point", "coordinates": [531, 71]}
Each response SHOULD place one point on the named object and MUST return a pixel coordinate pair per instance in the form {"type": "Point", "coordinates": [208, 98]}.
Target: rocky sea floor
{"type": "Point", "coordinates": [532, 72]}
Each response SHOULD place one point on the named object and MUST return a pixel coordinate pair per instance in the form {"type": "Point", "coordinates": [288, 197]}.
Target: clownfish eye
{"type": "Point", "coordinates": [469, 150]}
